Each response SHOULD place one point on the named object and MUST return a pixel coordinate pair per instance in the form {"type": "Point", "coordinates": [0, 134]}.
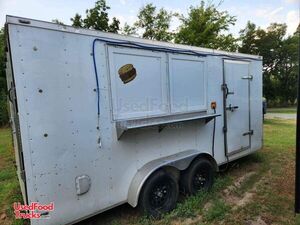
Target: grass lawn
{"type": "Point", "coordinates": [9, 186]}
{"type": "Point", "coordinates": [256, 190]}
{"type": "Point", "coordinates": [289, 110]}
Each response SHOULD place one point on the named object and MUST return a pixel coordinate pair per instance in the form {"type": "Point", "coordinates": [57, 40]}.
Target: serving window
{"type": "Point", "coordinates": [150, 84]}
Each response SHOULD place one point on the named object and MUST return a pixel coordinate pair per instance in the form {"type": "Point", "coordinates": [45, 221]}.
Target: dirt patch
{"type": "Point", "coordinates": [4, 220]}
{"type": "Point", "coordinates": [207, 206]}
{"type": "Point", "coordinates": [258, 221]}
{"type": "Point", "coordinates": [2, 162]}
{"type": "Point", "coordinates": [237, 184]}
{"type": "Point", "coordinates": [284, 183]}
{"type": "Point", "coordinates": [189, 221]}
{"type": "Point", "coordinates": [239, 201]}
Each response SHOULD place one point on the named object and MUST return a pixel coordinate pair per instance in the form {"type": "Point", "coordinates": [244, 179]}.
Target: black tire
{"type": "Point", "coordinates": [198, 177]}
{"type": "Point", "coordinates": [159, 194]}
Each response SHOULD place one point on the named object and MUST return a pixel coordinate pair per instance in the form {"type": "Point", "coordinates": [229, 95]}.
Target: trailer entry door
{"type": "Point", "coordinates": [236, 91]}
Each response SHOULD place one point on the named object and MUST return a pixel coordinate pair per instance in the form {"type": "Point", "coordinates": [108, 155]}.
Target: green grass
{"type": "Point", "coordinates": [271, 182]}
{"type": "Point", "coordinates": [191, 206]}
{"type": "Point", "coordinates": [9, 185]}
{"type": "Point", "coordinates": [218, 211]}
{"type": "Point", "coordinates": [289, 110]}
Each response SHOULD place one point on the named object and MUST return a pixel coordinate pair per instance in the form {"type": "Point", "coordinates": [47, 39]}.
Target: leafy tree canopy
{"type": "Point", "coordinates": [97, 18]}
{"type": "Point", "coordinates": [280, 59]}
{"type": "Point", "coordinates": [155, 24]}
{"type": "Point", "coordinates": [205, 26]}
{"type": "Point", "coordinates": [129, 30]}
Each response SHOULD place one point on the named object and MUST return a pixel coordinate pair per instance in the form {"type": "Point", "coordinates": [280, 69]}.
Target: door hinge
{"type": "Point", "coordinates": [22, 174]}
{"type": "Point", "coordinates": [250, 132]}
{"type": "Point", "coordinates": [224, 129]}
{"type": "Point", "coordinates": [250, 77]}
{"type": "Point", "coordinates": [224, 87]}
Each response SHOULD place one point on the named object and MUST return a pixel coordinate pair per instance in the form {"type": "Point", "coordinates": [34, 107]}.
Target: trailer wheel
{"type": "Point", "coordinates": [198, 177]}
{"type": "Point", "coordinates": [159, 194]}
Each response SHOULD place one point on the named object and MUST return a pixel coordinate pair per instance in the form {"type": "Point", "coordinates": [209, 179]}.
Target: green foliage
{"type": "Point", "coordinates": [77, 21]}
{"type": "Point", "coordinates": [205, 27]}
{"type": "Point", "coordinates": [114, 27]}
{"type": "Point", "coordinates": [248, 38]}
{"type": "Point", "coordinates": [285, 110]}
{"type": "Point", "coordinates": [280, 60]}
{"type": "Point", "coordinates": [2, 60]}
{"type": "Point", "coordinates": [3, 108]}
{"type": "Point", "coordinates": [154, 24]}
{"type": "Point", "coordinates": [97, 18]}
{"type": "Point", "coordinates": [129, 30]}
{"type": "Point", "coordinates": [193, 205]}
{"type": "Point", "coordinates": [57, 21]}
{"type": "Point", "coordinates": [9, 185]}
{"type": "Point", "coordinates": [218, 211]}
{"type": "Point", "coordinates": [3, 99]}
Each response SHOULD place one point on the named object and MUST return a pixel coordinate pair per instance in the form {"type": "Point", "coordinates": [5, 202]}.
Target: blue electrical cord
{"type": "Point", "coordinates": [153, 48]}
{"type": "Point", "coordinates": [96, 75]}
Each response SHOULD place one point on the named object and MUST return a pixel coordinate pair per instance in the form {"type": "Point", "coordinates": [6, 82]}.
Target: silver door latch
{"type": "Point", "coordinates": [250, 77]}
{"type": "Point", "coordinates": [250, 132]}
{"type": "Point", "coordinates": [232, 108]}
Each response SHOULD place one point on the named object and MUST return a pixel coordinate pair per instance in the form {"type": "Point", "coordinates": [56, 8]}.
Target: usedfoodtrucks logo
{"type": "Point", "coordinates": [34, 210]}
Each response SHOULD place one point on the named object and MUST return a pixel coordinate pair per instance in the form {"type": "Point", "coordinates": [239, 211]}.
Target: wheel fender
{"type": "Point", "coordinates": [179, 161]}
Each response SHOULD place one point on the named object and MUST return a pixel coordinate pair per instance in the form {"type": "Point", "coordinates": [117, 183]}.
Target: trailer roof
{"type": "Point", "coordinates": [118, 37]}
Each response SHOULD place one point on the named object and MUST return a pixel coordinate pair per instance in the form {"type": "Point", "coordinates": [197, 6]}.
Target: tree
{"type": "Point", "coordinates": [280, 60]}
{"type": "Point", "coordinates": [129, 30]}
{"type": "Point", "coordinates": [225, 42]}
{"type": "Point", "coordinates": [97, 18]}
{"type": "Point", "coordinates": [57, 21]}
{"type": "Point", "coordinates": [114, 27]}
{"type": "Point", "coordinates": [205, 26]}
{"type": "Point", "coordinates": [248, 38]}
{"type": "Point", "coordinates": [3, 88]}
{"type": "Point", "coordinates": [77, 21]}
{"type": "Point", "coordinates": [155, 25]}
{"type": "Point", "coordinates": [287, 70]}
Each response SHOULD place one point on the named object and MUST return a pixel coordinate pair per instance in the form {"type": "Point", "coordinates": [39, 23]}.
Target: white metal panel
{"type": "Point", "coordinates": [118, 37]}
{"type": "Point", "coordinates": [256, 93]}
{"type": "Point", "coordinates": [187, 83]}
{"type": "Point", "coordinates": [61, 66]}
{"type": "Point", "coordinates": [60, 63]}
{"type": "Point", "coordinates": [135, 99]}
{"type": "Point", "coordinates": [238, 96]}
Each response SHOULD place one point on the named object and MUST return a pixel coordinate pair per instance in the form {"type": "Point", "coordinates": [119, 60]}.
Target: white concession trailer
{"type": "Point", "coordinates": [101, 119]}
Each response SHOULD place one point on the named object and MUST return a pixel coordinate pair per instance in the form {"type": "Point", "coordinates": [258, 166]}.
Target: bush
{"type": "Point", "coordinates": [4, 118]}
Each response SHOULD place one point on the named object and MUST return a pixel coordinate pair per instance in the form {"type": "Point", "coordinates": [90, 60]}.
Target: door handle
{"type": "Point", "coordinates": [10, 94]}
{"type": "Point", "coordinates": [250, 132]}
{"type": "Point", "coordinates": [232, 108]}
{"type": "Point", "coordinates": [229, 93]}
{"type": "Point", "coordinates": [226, 90]}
